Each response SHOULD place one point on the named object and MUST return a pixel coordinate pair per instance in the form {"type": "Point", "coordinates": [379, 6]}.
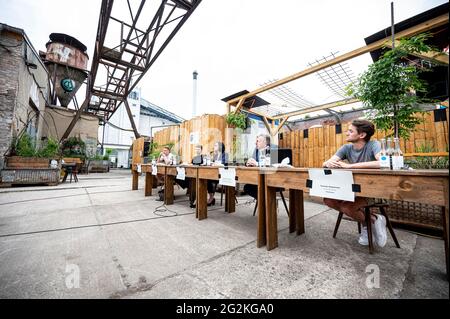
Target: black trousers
{"type": "Point", "coordinates": [251, 190]}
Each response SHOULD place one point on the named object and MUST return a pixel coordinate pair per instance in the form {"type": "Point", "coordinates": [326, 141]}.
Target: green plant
{"type": "Point", "coordinates": [49, 149]}
{"type": "Point", "coordinates": [25, 146]}
{"type": "Point", "coordinates": [74, 147]}
{"type": "Point", "coordinates": [390, 87]}
{"type": "Point", "coordinates": [238, 120]}
{"type": "Point", "coordinates": [428, 162]}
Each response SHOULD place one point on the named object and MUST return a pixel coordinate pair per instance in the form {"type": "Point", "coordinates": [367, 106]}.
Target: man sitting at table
{"type": "Point", "coordinates": [262, 144]}
{"type": "Point", "coordinates": [361, 153]}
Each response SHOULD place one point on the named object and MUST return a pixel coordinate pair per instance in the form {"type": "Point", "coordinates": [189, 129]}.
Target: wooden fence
{"type": "Point", "coordinates": [311, 151]}
{"type": "Point", "coordinates": [323, 142]}
{"type": "Point", "coordinates": [207, 128]}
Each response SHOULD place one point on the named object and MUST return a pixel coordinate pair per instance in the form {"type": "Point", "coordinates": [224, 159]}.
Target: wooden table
{"type": "Point", "coordinates": [421, 186]}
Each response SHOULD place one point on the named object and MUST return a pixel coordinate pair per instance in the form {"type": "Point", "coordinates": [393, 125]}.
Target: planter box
{"type": "Point", "coordinates": [98, 166]}
{"type": "Point", "coordinates": [49, 176]}
{"type": "Point", "coordinates": [27, 162]}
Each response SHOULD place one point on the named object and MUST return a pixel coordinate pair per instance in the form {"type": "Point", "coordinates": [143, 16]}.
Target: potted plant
{"type": "Point", "coordinates": [29, 164]}
{"type": "Point", "coordinates": [237, 120]}
{"type": "Point", "coordinates": [392, 88]}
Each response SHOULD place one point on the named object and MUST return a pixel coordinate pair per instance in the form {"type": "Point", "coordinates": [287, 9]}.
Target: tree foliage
{"type": "Point", "coordinates": [391, 87]}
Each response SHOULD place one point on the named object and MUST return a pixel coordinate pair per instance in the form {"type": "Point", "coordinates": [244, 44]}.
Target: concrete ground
{"type": "Point", "coordinates": [98, 239]}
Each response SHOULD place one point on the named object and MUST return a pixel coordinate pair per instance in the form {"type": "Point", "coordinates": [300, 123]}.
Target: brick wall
{"type": "Point", "coordinates": [10, 58]}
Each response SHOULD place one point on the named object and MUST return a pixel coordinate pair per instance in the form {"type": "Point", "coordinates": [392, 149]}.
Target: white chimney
{"type": "Point", "coordinates": [194, 100]}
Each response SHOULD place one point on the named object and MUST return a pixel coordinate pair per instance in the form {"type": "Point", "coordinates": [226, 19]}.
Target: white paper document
{"type": "Point", "coordinates": [227, 177]}
{"type": "Point", "coordinates": [337, 185]}
{"type": "Point", "coordinates": [154, 170]}
{"type": "Point", "coordinates": [139, 168]}
{"type": "Point", "coordinates": [181, 173]}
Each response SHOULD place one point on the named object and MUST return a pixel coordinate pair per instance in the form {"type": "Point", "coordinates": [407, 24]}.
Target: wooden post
{"type": "Point", "coordinates": [299, 212]}
{"type": "Point", "coordinates": [292, 210]}
{"type": "Point", "coordinates": [148, 183]}
{"type": "Point", "coordinates": [230, 197]}
{"type": "Point", "coordinates": [445, 226]}
{"type": "Point", "coordinates": [135, 180]}
{"type": "Point", "coordinates": [271, 218]}
{"type": "Point", "coordinates": [261, 238]}
{"type": "Point", "coordinates": [202, 201]}
{"type": "Point", "coordinates": [168, 188]}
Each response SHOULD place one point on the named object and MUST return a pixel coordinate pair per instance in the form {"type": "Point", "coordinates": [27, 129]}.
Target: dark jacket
{"type": "Point", "coordinates": [255, 154]}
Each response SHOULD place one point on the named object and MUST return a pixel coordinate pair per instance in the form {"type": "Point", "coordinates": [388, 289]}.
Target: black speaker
{"type": "Point", "coordinates": [440, 115]}
{"type": "Point", "coordinates": [146, 148]}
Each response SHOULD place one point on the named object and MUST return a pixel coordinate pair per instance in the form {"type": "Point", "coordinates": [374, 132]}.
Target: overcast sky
{"type": "Point", "coordinates": [233, 44]}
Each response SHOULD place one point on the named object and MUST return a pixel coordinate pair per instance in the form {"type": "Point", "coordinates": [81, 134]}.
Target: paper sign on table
{"type": "Point", "coordinates": [227, 177]}
{"type": "Point", "coordinates": [181, 173]}
{"type": "Point", "coordinates": [335, 184]}
{"type": "Point", "coordinates": [154, 170]}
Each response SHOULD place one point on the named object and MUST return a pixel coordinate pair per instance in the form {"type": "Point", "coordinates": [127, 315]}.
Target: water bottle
{"type": "Point", "coordinates": [384, 158]}
{"type": "Point", "coordinates": [267, 151]}
{"type": "Point", "coordinates": [262, 158]}
{"type": "Point", "coordinates": [389, 151]}
{"type": "Point", "coordinates": [397, 157]}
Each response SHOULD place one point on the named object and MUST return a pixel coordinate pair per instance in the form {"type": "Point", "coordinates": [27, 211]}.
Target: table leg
{"type": "Point", "coordinates": [168, 189]}
{"type": "Point", "coordinates": [445, 226]}
{"type": "Point", "coordinates": [261, 238]}
{"type": "Point", "coordinates": [271, 218]}
{"type": "Point", "coordinates": [201, 209]}
{"type": "Point", "coordinates": [296, 212]}
{"type": "Point", "coordinates": [135, 180]}
{"type": "Point", "coordinates": [192, 190]}
{"type": "Point", "coordinates": [230, 197]}
{"type": "Point", "coordinates": [148, 183]}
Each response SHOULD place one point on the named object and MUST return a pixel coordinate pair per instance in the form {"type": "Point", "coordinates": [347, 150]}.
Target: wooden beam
{"type": "Point", "coordinates": [281, 125]}
{"type": "Point", "coordinates": [425, 154]}
{"type": "Point", "coordinates": [434, 56]}
{"type": "Point", "coordinates": [422, 27]}
{"type": "Point", "coordinates": [259, 114]}
{"type": "Point", "coordinates": [239, 105]}
{"type": "Point", "coordinates": [267, 124]}
{"type": "Point", "coordinates": [317, 108]}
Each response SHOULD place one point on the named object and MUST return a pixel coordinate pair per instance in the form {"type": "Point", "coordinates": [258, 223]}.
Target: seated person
{"type": "Point", "coordinates": [165, 157]}
{"type": "Point", "coordinates": [198, 158]}
{"type": "Point", "coordinates": [219, 157]}
{"type": "Point", "coordinates": [262, 143]}
{"type": "Point", "coordinates": [361, 153]}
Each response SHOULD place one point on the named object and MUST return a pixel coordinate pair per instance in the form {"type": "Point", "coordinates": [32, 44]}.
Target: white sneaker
{"type": "Point", "coordinates": [379, 231]}
{"type": "Point", "coordinates": [364, 238]}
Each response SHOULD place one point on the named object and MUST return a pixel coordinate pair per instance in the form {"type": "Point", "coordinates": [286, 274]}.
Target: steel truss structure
{"type": "Point", "coordinates": [117, 69]}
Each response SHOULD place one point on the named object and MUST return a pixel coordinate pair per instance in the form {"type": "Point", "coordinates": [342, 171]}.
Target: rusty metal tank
{"type": "Point", "coordinates": [66, 60]}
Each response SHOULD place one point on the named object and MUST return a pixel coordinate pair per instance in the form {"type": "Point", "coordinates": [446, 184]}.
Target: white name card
{"type": "Point", "coordinates": [227, 177]}
{"type": "Point", "coordinates": [139, 168]}
{"type": "Point", "coordinates": [154, 170]}
{"type": "Point", "coordinates": [181, 173]}
{"type": "Point", "coordinates": [336, 184]}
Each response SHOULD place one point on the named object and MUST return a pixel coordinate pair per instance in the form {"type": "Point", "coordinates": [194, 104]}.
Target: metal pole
{"type": "Point", "coordinates": [194, 95]}
{"type": "Point", "coordinates": [393, 47]}
{"type": "Point", "coordinates": [103, 135]}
